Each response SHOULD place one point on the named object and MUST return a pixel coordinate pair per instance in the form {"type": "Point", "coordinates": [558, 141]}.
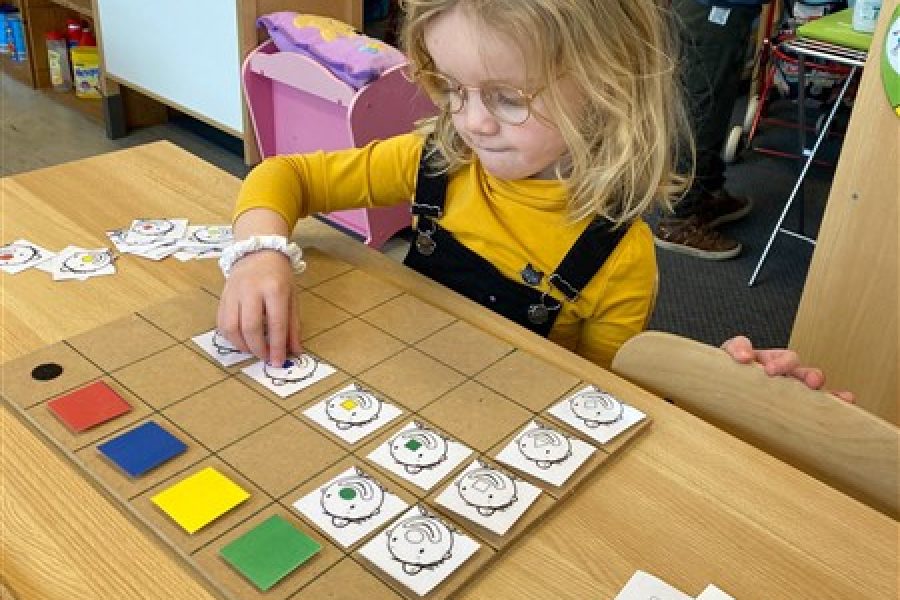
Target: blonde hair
{"type": "Point", "coordinates": [620, 58]}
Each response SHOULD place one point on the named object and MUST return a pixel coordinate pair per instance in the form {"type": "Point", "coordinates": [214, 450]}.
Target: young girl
{"type": "Point", "coordinates": [557, 125]}
{"type": "Point", "coordinates": [556, 130]}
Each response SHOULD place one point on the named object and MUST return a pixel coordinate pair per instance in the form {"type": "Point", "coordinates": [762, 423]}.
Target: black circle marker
{"type": "Point", "coordinates": [46, 371]}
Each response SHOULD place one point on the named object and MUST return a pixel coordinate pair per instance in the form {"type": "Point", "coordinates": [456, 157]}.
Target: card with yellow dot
{"type": "Point", "coordinates": [352, 413]}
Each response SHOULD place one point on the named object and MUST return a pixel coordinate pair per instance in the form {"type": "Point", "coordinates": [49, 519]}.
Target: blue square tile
{"type": "Point", "coordinates": [143, 448]}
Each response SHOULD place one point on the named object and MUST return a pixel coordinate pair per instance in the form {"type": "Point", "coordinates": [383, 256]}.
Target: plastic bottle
{"type": "Point", "coordinates": [865, 15]}
{"type": "Point", "coordinates": [86, 38]}
{"type": "Point", "coordinates": [58, 59]}
{"type": "Point", "coordinates": [73, 32]}
{"type": "Point", "coordinates": [15, 33]}
{"type": "Point", "coordinates": [7, 37]}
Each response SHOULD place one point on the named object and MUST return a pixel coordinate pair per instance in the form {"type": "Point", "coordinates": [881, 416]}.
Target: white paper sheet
{"type": "Point", "coordinates": [491, 498]}
{"type": "Point", "coordinates": [220, 349]}
{"type": "Point", "coordinates": [420, 455]}
{"type": "Point", "coordinates": [74, 262]}
{"type": "Point", "coordinates": [580, 418]}
{"type": "Point", "coordinates": [545, 453]}
{"type": "Point", "coordinates": [350, 506]}
{"type": "Point", "coordinates": [20, 255]}
{"type": "Point", "coordinates": [644, 586]}
{"type": "Point", "coordinates": [352, 413]}
{"type": "Point", "coordinates": [713, 593]}
{"type": "Point", "coordinates": [419, 538]}
{"type": "Point", "coordinates": [295, 374]}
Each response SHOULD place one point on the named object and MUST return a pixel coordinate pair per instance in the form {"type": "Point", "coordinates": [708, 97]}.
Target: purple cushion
{"type": "Point", "coordinates": [353, 58]}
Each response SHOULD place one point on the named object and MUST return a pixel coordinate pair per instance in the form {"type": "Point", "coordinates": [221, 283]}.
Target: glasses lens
{"type": "Point", "coordinates": [445, 93]}
{"type": "Point", "coordinates": [506, 103]}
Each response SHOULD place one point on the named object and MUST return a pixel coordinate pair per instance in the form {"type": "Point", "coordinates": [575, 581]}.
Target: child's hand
{"type": "Point", "coordinates": [780, 361]}
{"type": "Point", "coordinates": [256, 311]}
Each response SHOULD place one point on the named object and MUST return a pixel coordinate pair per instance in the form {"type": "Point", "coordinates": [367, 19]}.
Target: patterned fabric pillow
{"type": "Point", "coordinates": [353, 58]}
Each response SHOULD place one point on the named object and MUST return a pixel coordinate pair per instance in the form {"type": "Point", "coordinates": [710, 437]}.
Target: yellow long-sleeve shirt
{"type": "Point", "coordinates": [509, 223]}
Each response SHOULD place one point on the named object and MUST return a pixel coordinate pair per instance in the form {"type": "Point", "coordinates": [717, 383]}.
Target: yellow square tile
{"type": "Point", "coordinates": [200, 499]}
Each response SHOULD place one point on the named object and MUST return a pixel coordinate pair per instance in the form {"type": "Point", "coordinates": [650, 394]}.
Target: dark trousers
{"type": "Point", "coordinates": [712, 61]}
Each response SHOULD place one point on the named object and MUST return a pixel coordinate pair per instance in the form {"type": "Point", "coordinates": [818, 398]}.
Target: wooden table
{"type": "Point", "coordinates": [686, 501]}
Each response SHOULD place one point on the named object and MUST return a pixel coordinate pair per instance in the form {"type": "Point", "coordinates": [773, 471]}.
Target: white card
{"type": "Point", "coordinates": [196, 254]}
{"type": "Point", "coordinates": [713, 593]}
{"type": "Point", "coordinates": [489, 497]}
{"type": "Point", "coordinates": [147, 232]}
{"type": "Point", "coordinates": [222, 351]}
{"type": "Point", "coordinates": [20, 255]}
{"type": "Point", "coordinates": [597, 414]}
{"type": "Point", "coordinates": [295, 374]}
{"type": "Point", "coordinates": [420, 455]}
{"type": "Point", "coordinates": [121, 239]}
{"type": "Point", "coordinates": [644, 586]}
{"type": "Point", "coordinates": [350, 506]}
{"type": "Point", "coordinates": [352, 413]}
{"type": "Point", "coordinates": [420, 550]}
{"type": "Point", "coordinates": [80, 263]}
{"type": "Point", "coordinates": [545, 453]}
{"type": "Point", "coordinates": [204, 237]}
{"type": "Point", "coordinates": [158, 251]}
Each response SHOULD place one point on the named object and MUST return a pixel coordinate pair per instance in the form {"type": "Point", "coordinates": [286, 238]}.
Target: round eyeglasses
{"type": "Point", "coordinates": [506, 103]}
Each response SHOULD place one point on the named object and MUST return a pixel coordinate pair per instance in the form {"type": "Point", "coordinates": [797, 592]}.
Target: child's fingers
{"type": "Point", "coordinates": [294, 341]}
{"type": "Point", "coordinates": [277, 317]}
{"type": "Point", "coordinates": [811, 376]}
{"type": "Point", "coordinates": [778, 362]}
{"type": "Point", "coordinates": [228, 323]}
{"type": "Point", "coordinates": [847, 397]}
{"type": "Point", "coordinates": [739, 348]}
{"type": "Point", "coordinates": [252, 327]}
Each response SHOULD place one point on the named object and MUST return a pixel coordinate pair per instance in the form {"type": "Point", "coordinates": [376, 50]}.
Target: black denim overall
{"type": "Point", "coordinates": [438, 255]}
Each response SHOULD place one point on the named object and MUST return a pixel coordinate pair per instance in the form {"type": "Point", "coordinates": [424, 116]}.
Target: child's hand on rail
{"type": "Point", "coordinates": [780, 361]}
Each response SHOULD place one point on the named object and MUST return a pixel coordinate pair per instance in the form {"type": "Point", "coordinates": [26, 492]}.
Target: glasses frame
{"type": "Point", "coordinates": [463, 91]}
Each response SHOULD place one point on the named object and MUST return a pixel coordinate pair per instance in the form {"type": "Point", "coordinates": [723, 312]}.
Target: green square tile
{"type": "Point", "coordinates": [270, 551]}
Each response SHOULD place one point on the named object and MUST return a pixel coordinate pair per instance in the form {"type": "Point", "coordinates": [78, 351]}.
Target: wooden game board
{"type": "Point", "coordinates": [438, 369]}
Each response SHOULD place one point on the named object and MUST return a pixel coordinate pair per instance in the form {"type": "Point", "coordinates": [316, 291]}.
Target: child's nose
{"type": "Point", "coordinates": [478, 118]}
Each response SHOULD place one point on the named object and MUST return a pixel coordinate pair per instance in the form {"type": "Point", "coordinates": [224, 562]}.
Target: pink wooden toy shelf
{"type": "Point", "coordinates": [296, 105]}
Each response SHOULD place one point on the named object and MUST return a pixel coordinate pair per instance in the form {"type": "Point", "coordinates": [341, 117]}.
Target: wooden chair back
{"type": "Point", "coordinates": [838, 443]}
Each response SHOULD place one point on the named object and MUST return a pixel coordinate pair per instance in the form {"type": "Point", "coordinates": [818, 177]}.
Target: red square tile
{"type": "Point", "coordinates": [88, 406]}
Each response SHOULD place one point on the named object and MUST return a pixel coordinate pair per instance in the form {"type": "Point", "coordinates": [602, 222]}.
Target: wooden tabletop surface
{"type": "Point", "coordinates": [685, 502]}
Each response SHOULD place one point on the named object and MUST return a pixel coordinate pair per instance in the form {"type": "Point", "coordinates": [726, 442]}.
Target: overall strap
{"type": "Point", "coordinates": [431, 190]}
{"type": "Point", "coordinates": [586, 257]}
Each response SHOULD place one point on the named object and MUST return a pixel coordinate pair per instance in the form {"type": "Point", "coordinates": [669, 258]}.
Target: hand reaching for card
{"type": "Point", "coordinates": [256, 311]}
{"type": "Point", "coordinates": [780, 361]}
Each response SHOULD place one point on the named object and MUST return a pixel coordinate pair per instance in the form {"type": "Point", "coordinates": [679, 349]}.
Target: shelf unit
{"type": "Point", "coordinates": [39, 17]}
{"type": "Point", "coordinates": [125, 103]}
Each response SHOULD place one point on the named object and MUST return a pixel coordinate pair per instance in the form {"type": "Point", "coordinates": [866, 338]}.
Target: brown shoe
{"type": "Point", "coordinates": [689, 236]}
{"type": "Point", "coordinates": [721, 207]}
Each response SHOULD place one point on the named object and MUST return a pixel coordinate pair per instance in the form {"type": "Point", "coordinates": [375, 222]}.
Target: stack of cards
{"type": "Point", "coordinates": [72, 262]}
{"type": "Point", "coordinates": [204, 241]}
{"type": "Point", "coordinates": [158, 238]}
{"type": "Point", "coordinates": [150, 238]}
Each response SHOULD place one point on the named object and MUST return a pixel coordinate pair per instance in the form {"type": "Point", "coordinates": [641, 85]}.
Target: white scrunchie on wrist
{"type": "Point", "coordinates": [255, 243]}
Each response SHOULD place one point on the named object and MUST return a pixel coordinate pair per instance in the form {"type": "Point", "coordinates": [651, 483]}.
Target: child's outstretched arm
{"type": "Point", "coordinates": [780, 361]}
{"type": "Point", "coordinates": [256, 310]}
